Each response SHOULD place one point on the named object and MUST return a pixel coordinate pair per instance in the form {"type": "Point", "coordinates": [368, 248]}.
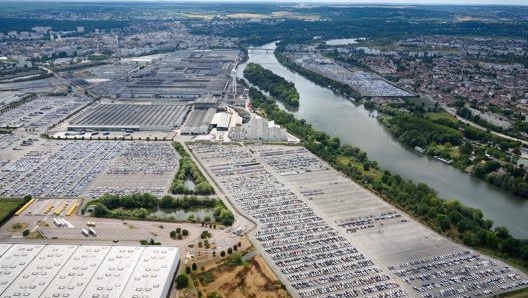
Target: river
{"type": "Point", "coordinates": [354, 125]}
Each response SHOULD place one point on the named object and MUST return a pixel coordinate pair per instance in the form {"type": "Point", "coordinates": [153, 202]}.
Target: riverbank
{"type": "Point", "coordinates": [449, 218]}
{"type": "Point", "coordinates": [327, 111]}
{"type": "Point", "coordinates": [475, 152]}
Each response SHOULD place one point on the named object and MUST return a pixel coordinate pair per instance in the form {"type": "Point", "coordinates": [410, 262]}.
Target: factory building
{"type": "Point", "coordinates": [258, 129]}
{"type": "Point", "coordinates": [75, 271]}
{"type": "Point", "coordinates": [145, 117]}
{"type": "Point", "coordinates": [200, 118]}
{"type": "Point", "coordinates": [221, 121]}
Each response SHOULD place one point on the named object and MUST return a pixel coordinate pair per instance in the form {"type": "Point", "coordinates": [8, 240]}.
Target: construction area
{"type": "Point", "coordinates": [74, 271]}
{"type": "Point", "coordinates": [328, 237]}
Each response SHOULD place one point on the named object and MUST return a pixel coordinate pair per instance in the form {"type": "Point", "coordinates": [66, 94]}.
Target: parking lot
{"type": "Point", "coordinates": [438, 267]}
{"type": "Point", "coordinates": [305, 250]}
{"type": "Point", "coordinates": [328, 237]}
{"type": "Point", "coordinates": [68, 169]}
{"type": "Point", "coordinates": [42, 112]}
{"type": "Point", "coordinates": [140, 167]}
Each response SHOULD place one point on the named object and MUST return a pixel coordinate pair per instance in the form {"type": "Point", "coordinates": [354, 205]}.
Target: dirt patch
{"type": "Point", "coordinates": [253, 279]}
{"type": "Point", "coordinates": [18, 227]}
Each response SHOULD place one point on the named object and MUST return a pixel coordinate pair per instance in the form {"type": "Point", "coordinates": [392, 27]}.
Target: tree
{"type": "Point", "coordinates": [214, 295]}
{"type": "Point", "coordinates": [222, 254]}
{"type": "Point", "coordinates": [230, 250]}
{"type": "Point", "coordinates": [194, 267]}
{"type": "Point", "coordinates": [178, 230]}
{"type": "Point", "coordinates": [25, 233]}
{"type": "Point", "coordinates": [502, 232]}
{"type": "Point", "coordinates": [182, 281]}
{"type": "Point", "coordinates": [185, 232]}
{"type": "Point", "coordinates": [173, 234]}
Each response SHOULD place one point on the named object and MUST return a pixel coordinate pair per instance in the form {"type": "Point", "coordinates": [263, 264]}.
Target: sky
{"type": "Point", "coordinates": [455, 2]}
{"type": "Point", "coordinates": [424, 2]}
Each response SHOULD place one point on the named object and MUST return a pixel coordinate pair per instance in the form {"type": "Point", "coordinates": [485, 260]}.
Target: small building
{"type": "Point", "coordinates": [221, 121]}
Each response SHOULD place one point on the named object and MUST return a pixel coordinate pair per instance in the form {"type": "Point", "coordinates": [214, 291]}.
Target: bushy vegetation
{"type": "Point", "coordinates": [186, 202]}
{"type": "Point", "coordinates": [223, 215]}
{"type": "Point", "coordinates": [447, 217]}
{"type": "Point", "coordinates": [139, 206]}
{"type": "Point", "coordinates": [416, 131]}
{"type": "Point", "coordinates": [486, 156]}
{"type": "Point", "coordinates": [9, 206]}
{"type": "Point", "coordinates": [188, 170]}
{"type": "Point", "coordinates": [278, 87]}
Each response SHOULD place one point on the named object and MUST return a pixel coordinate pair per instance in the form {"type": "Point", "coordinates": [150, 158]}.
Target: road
{"type": "Point", "coordinates": [452, 112]}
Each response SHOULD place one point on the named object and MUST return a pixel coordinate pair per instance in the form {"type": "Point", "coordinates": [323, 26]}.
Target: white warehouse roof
{"type": "Point", "coordinates": [75, 271]}
{"type": "Point", "coordinates": [221, 120]}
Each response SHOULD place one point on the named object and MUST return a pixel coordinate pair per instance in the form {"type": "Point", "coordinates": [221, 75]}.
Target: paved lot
{"type": "Point", "coordinates": [328, 237]}
{"type": "Point", "coordinates": [110, 230]}
{"type": "Point", "coordinates": [70, 168]}
{"type": "Point", "coordinates": [43, 112]}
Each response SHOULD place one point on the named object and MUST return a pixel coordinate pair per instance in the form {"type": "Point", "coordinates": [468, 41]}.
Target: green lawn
{"type": "Point", "coordinates": [8, 206]}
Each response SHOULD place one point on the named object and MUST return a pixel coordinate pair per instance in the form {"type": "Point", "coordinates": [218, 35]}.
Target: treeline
{"type": "Point", "coordinates": [188, 170]}
{"type": "Point", "coordinates": [139, 206]}
{"type": "Point", "coordinates": [186, 202]}
{"type": "Point", "coordinates": [135, 205]}
{"type": "Point", "coordinates": [340, 22]}
{"type": "Point", "coordinates": [447, 217]}
{"type": "Point", "coordinates": [486, 156]}
{"type": "Point", "coordinates": [278, 87]}
{"type": "Point", "coordinates": [318, 79]}
{"type": "Point", "coordinates": [415, 131]}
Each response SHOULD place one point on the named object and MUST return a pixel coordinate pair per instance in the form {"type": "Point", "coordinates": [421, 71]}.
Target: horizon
{"type": "Point", "coordinates": [316, 2]}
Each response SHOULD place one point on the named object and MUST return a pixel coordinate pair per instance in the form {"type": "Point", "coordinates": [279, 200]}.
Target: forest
{"type": "Point", "coordinates": [277, 86]}
{"type": "Point", "coordinates": [486, 156]}
{"type": "Point", "coordinates": [188, 170]}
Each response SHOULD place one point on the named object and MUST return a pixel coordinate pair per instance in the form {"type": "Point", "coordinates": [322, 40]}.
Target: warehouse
{"type": "Point", "coordinates": [115, 117]}
{"type": "Point", "coordinates": [198, 122]}
{"type": "Point", "coordinates": [177, 77]}
{"type": "Point", "coordinates": [258, 128]}
{"type": "Point", "coordinates": [46, 271]}
{"type": "Point", "coordinates": [221, 121]}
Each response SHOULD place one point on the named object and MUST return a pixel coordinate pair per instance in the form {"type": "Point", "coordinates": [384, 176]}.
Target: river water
{"type": "Point", "coordinates": [356, 126]}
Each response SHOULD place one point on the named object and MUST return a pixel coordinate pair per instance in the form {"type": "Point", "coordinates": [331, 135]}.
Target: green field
{"type": "Point", "coordinates": [8, 207]}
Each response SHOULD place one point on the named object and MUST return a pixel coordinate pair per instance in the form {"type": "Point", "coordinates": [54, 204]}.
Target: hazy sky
{"type": "Point", "coordinates": [456, 2]}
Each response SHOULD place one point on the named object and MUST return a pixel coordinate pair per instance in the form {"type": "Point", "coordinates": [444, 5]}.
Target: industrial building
{"type": "Point", "coordinates": [221, 121]}
{"type": "Point", "coordinates": [180, 76]}
{"type": "Point", "coordinates": [200, 118]}
{"type": "Point", "coordinates": [115, 117]}
{"type": "Point", "coordinates": [258, 129]}
{"type": "Point", "coordinates": [74, 271]}
{"type": "Point", "coordinates": [198, 122]}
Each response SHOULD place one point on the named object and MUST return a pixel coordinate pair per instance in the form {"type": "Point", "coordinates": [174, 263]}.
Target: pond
{"type": "Point", "coordinates": [181, 214]}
